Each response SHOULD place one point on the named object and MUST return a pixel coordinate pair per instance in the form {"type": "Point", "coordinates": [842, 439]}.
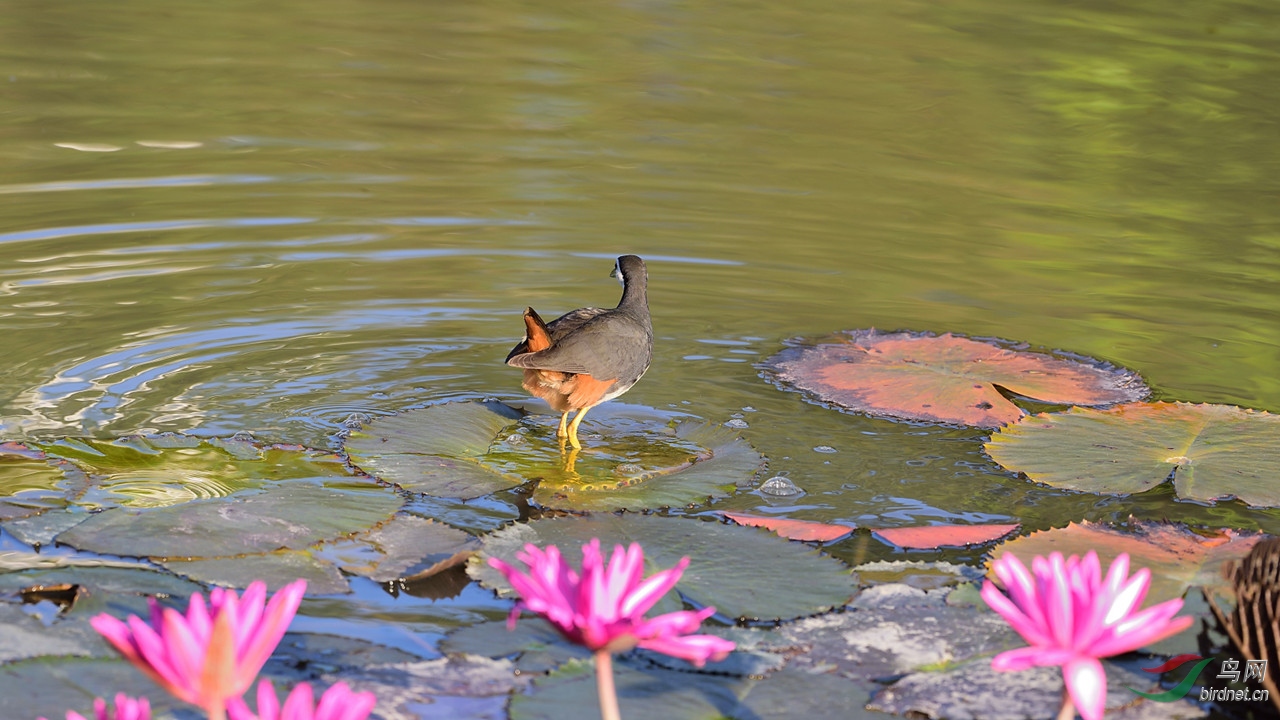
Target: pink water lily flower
{"type": "Point", "coordinates": [126, 708]}
{"type": "Point", "coordinates": [604, 607]}
{"type": "Point", "coordinates": [337, 703]}
{"type": "Point", "coordinates": [213, 652]}
{"type": "Point", "coordinates": [1071, 616]}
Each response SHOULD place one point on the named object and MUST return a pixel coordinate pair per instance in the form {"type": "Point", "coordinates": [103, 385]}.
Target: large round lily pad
{"type": "Point", "coordinates": [723, 463]}
{"type": "Point", "coordinates": [945, 378]}
{"type": "Point", "coordinates": [1212, 452]}
{"type": "Point", "coordinates": [435, 450]}
{"type": "Point", "coordinates": [292, 514]}
{"type": "Point", "coordinates": [744, 572]}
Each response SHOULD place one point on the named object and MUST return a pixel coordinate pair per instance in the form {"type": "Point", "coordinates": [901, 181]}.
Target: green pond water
{"type": "Point", "coordinates": [266, 217]}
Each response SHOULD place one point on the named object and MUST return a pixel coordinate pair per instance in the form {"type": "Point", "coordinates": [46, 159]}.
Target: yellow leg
{"type": "Point", "coordinates": [573, 428]}
{"type": "Point", "coordinates": [564, 417]}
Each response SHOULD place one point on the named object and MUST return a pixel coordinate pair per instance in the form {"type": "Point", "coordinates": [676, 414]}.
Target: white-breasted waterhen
{"type": "Point", "coordinates": [588, 355]}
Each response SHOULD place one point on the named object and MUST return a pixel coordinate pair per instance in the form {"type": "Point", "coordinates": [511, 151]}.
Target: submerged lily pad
{"type": "Point", "coordinates": [469, 449]}
{"type": "Point", "coordinates": [743, 572]}
{"type": "Point", "coordinates": [725, 462]}
{"type": "Point", "coordinates": [569, 693]}
{"type": "Point", "coordinates": [30, 483]}
{"type": "Point", "coordinates": [148, 472]}
{"type": "Point", "coordinates": [435, 450]}
{"type": "Point", "coordinates": [945, 378]}
{"type": "Point", "coordinates": [292, 514]}
{"type": "Point", "coordinates": [1212, 452]}
{"type": "Point", "coordinates": [1176, 557]}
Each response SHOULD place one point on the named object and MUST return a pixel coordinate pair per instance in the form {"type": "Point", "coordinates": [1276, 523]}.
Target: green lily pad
{"type": "Point", "coordinates": [406, 546]}
{"type": "Point", "coordinates": [49, 687]}
{"type": "Point", "coordinates": [277, 568]}
{"type": "Point", "coordinates": [100, 580]}
{"type": "Point", "coordinates": [24, 636]}
{"type": "Point", "coordinates": [974, 691]}
{"type": "Point", "coordinates": [1212, 452]}
{"type": "Point", "coordinates": [725, 462]}
{"type": "Point", "coordinates": [743, 572]}
{"type": "Point", "coordinates": [150, 472]}
{"type": "Point", "coordinates": [435, 450]}
{"type": "Point", "coordinates": [569, 693]}
{"type": "Point", "coordinates": [535, 645]}
{"type": "Point", "coordinates": [292, 514]}
{"type": "Point", "coordinates": [31, 483]}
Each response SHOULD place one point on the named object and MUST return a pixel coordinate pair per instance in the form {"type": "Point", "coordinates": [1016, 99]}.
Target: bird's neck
{"type": "Point", "coordinates": [634, 298]}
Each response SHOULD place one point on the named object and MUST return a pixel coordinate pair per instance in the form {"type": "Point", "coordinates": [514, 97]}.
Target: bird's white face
{"type": "Point", "coordinates": [617, 272]}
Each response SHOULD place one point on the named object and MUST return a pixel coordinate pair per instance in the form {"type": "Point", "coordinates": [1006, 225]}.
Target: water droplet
{"type": "Point", "coordinates": [824, 449]}
{"type": "Point", "coordinates": [516, 439]}
{"type": "Point", "coordinates": [779, 485]}
{"type": "Point", "coordinates": [737, 424]}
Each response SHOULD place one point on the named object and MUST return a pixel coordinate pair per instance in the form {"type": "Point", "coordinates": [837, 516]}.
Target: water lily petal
{"type": "Point", "coordinates": [1087, 684]}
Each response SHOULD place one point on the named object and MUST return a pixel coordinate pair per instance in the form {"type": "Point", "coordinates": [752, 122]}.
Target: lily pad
{"type": "Point", "coordinates": [726, 462]}
{"type": "Point", "coordinates": [277, 569]}
{"type": "Point", "coordinates": [1176, 557]}
{"type": "Point", "coordinates": [149, 472]}
{"type": "Point", "coordinates": [974, 691]}
{"type": "Point", "coordinates": [803, 530]}
{"type": "Point", "coordinates": [49, 687]}
{"type": "Point", "coordinates": [470, 449]}
{"type": "Point", "coordinates": [932, 537]}
{"type": "Point", "coordinates": [292, 514]}
{"type": "Point", "coordinates": [30, 483]}
{"type": "Point", "coordinates": [407, 546]}
{"type": "Point", "coordinates": [946, 378]}
{"type": "Point", "coordinates": [743, 572]}
{"type": "Point", "coordinates": [1212, 452]}
{"type": "Point", "coordinates": [569, 693]}
{"type": "Point", "coordinates": [535, 645]}
{"type": "Point", "coordinates": [899, 630]}
{"type": "Point", "coordinates": [435, 450]}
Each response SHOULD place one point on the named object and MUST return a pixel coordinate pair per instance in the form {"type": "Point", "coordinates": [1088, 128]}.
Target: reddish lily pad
{"type": "Point", "coordinates": [1212, 452]}
{"type": "Point", "coordinates": [803, 530]}
{"type": "Point", "coordinates": [946, 378]}
{"type": "Point", "coordinates": [1176, 557]}
{"type": "Point", "coordinates": [932, 537]}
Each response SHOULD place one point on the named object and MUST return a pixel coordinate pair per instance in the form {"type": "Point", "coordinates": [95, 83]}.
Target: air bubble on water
{"type": "Point", "coordinates": [737, 424]}
{"type": "Point", "coordinates": [824, 449]}
{"type": "Point", "coordinates": [779, 485]}
{"type": "Point", "coordinates": [748, 408]}
{"type": "Point", "coordinates": [243, 436]}
{"type": "Point", "coordinates": [515, 439]}
{"type": "Point", "coordinates": [628, 470]}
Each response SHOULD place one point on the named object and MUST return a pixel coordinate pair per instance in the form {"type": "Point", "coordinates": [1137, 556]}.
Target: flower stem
{"type": "Point", "coordinates": [604, 686]}
{"type": "Point", "coordinates": [1068, 711]}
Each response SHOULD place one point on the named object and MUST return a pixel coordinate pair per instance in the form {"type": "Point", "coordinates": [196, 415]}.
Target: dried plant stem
{"type": "Point", "coordinates": [604, 686]}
